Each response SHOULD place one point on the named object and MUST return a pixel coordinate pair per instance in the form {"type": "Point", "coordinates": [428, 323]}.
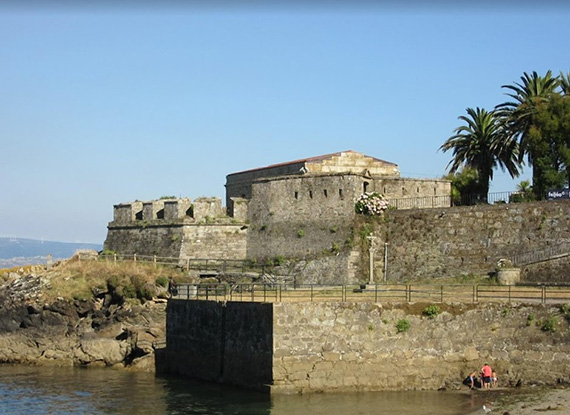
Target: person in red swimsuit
{"type": "Point", "coordinates": [486, 373]}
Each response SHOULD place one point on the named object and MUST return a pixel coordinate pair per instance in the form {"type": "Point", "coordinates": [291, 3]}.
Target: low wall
{"type": "Point", "coordinates": [316, 347]}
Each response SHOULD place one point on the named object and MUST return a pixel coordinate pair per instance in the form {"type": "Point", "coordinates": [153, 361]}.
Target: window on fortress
{"type": "Point", "coordinates": [160, 214]}
{"type": "Point", "coordinates": [417, 189]}
{"type": "Point", "coordinates": [311, 194]}
{"type": "Point", "coordinates": [384, 190]}
{"type": "Point", "coordinates": [435, 191]}
{"type": "Point", "coordinates": [296, 195]}
{"type": "Point", "coordinates": [365, 187]}
{"type": "Point", "coordinates": [138, 215]}
{"type": "Point", "coordinates": [325, 192]}
{"type": "Point", "coordinates": [340, 193]}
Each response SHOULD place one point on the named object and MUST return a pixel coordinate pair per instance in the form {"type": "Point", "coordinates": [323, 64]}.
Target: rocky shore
{"type": "Point", "coordinates": [97, 331]}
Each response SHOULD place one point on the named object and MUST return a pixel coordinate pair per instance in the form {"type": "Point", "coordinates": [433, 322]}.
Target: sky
{"type": "Point", "coordinates": [101, 104]}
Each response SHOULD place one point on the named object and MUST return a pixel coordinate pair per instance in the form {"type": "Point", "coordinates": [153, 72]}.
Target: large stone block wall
{"type": "Point", "coordinates": [463, 240]}
{"type": "Point", "coordinates": [301, 217]}
{"type": "Point", "coordinates": [223, 342]}
{"type": "Point", "coordinates": [356, 346]}
{"type": "Point", "coordinates": [163, 241]}
{"type": "Point", "coordinates": [213, 241]}
{"type": "Point", "coordinates": [333, 347]}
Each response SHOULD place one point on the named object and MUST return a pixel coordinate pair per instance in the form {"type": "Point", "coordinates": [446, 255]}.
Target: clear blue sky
{"type": "Point", "coordinates": [105, 105]}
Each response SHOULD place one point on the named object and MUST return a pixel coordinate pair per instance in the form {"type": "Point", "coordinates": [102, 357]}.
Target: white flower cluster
{"type": "Point", "coordinates": [371, 203]}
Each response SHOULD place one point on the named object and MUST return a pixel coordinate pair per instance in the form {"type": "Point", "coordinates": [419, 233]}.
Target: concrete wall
{"type": "Point", "coordinates": [315, 347]}
{"type": "Point", "coordinates": [228, 343]}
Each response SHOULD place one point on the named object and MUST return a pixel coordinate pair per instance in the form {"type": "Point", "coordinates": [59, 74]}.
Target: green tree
{"type": "Point", "coordinates": [464, 183]}
{"type": "Point", "coordinates": [481, 144]}
{"type": "Point", "coordinates": [529, 96]}
{"type": "Point", "coordinates": [564, 80]}
{"type": "Point", "coordinates": [549, 142]}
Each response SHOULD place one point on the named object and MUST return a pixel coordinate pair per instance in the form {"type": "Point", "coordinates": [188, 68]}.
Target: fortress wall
{"type": "Point", "coordinates": [213, 241]}
{"type": "Point", "coordinates": [459, 240]}
{"type": "Point", "coordinates": [301, 217]}
{"type": "Point", "coordinates": [159, 240]}
{"type": "Point", "coordinates": [336, 347]}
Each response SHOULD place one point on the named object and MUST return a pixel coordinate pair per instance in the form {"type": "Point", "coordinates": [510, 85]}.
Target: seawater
{"type": "Point", "coordinates": [50, 390]}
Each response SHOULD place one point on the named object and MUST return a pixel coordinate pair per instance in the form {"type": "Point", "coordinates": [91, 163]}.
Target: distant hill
{"type": "Point", "coordinates": [20, 251]}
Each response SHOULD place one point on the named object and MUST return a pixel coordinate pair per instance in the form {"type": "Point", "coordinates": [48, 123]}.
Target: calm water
{"type": "Point", "coordinates": [41, 390]}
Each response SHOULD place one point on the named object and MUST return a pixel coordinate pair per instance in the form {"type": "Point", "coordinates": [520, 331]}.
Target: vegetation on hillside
{"type": "Point", "coordinates": [87, 279]}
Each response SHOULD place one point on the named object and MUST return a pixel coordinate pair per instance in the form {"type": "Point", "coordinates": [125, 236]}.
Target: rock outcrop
{"type": "Point", "coordinates": [95, 332]}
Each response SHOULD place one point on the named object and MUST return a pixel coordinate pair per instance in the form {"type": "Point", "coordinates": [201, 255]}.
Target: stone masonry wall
{"type": "Point", "coordinates": [356, 346]}
{"type": "Point", "coordinates": [462, 240]}
{"type": "Point", "coordinates": [333, 347]}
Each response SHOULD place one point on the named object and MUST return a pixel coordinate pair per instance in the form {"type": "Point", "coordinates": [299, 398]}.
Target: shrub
{"type": "Point", "coordinates": [300, 233]}
{"type": "Point", "coordinates": [370, 203]}
{"type": "Point", "coordinates": [161, 281]}
{"type": "Point", "coordinates": [431, 311]}
{"type": "Point", "coordinates": [402, 325]}
{"type": "Point", "coordinates": [550, 324]}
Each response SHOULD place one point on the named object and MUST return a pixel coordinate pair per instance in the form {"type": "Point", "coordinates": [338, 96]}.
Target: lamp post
{"type": "Point", "coordinates": [371, 238]}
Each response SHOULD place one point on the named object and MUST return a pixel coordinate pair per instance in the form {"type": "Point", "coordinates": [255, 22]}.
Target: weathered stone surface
{"type": "Point", "coordinates": [75, 332]}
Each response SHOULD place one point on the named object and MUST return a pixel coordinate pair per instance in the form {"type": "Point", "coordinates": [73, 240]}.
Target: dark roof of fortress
{"type": "Point", "coordinates": [309, 160]}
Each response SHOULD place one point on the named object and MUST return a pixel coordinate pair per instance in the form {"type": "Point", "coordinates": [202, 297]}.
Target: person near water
{"type": "Point", "coordinates": [472, 380]}
{"type": "Point", "coordinates": [486, 374]}
{"type": "Point", "coordinates": [494, 379]}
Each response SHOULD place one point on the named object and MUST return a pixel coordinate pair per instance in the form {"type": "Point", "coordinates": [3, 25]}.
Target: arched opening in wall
{"type": "Point", "coordinates": [365, 187]}
{"type": "Point", "coordinates": [190, 211]}
{"type": "Point", "coordinates": [325, 193]}
{"type": "Point", "coordinates": [417, 189]}
{"type": "Point", "coordinates": [138, 215]}
{"type": "Point", "coordinates": [296, 195]}
{"type": "Point", "coordinates": [340, 193]}
{"type": "Point", "coordinates": [310, 194]}
{"type": "Point", "coordinates": [404, 191]}
{"type": "Point", "coordinates": [435, 191]}
{"type": "Point", "coordinates": [160, 214]}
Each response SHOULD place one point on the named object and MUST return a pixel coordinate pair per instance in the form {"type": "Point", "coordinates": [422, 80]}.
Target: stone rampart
{"type": "Point", "coordinates": [329, 347]}
{"type": "Point", "coordinates": [467, 240]}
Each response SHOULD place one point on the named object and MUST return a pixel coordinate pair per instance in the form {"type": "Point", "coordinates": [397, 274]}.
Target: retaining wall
{"type": "Point", "coordinates": [330, 347]}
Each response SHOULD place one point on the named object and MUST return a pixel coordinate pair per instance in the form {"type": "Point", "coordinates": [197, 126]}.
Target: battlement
{"type": "Point", "coordinates": [169, 210]}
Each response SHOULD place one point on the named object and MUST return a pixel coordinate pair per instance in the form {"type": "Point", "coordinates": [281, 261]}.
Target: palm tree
{"type": "Point", "coordinates": [518, 114]}
{"type": "Point", "coordinates": [482, 145]}
{"type": "Point", "coordinates": [564, 80]}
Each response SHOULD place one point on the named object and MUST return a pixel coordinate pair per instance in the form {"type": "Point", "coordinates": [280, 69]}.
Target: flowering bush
{"type": "Point", "coordinates": [371, 203]}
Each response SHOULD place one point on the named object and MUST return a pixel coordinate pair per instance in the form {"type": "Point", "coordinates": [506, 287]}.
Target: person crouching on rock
{"type": "Point", "coordinates": [472, 380]}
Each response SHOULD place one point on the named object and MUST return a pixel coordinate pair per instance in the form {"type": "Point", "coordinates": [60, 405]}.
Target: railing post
{"type": "Point", "coordinates": [114, 257]}
{"type": "Point", "coordinates": [154, 260]}
{"type": "Point", "coordinates": [441, 297]}
{"type": "Point", "coordinates": [408, 292]}
{"type": "Point", "coordinates": [134, 257]}
{"type": "Point", "coordinates": [510, 293]}
{"type": "Point", "coordinates": [311, 292]}
{"type": "Point", "coordinates": [187, 264]}
{"type": "Point", "coordinates": [376, 293]}
{"type": "Point", "coordinates": [543, 294]}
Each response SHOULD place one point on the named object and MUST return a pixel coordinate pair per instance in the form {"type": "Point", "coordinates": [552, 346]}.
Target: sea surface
{"type": "Point", "coordinates": [46, 390]}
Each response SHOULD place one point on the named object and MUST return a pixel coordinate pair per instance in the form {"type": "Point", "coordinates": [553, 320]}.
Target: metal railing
{"type": "Point", "coordinates": [541, 255]}
{"type": "Point", "coordinates": [204, 265]}
{"type": "Point", "coordinates": [442, 201]}
{"type": "Point", "coordinates": [540, 293]}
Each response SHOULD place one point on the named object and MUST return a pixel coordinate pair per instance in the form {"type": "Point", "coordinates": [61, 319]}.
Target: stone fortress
{"type": "Point", "coordinates": [302, 214]}
{"type": "Point", "coordinates": [302, 210]}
